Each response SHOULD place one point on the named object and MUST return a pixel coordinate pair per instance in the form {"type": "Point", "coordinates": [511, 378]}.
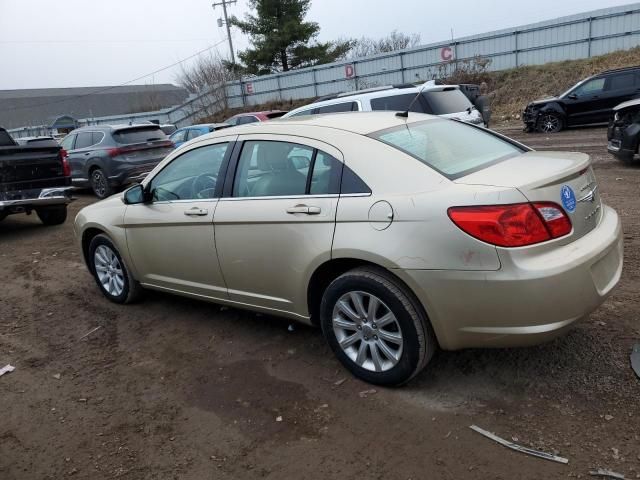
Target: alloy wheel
{"type": "Point", "coordinates": [99, 183]}
{"type": "Point", "coordinates": [109, 270]}
{"type": "Point", "coordinates": [550, 123]}
{"type": "Point", "coordinates": [367, 331]}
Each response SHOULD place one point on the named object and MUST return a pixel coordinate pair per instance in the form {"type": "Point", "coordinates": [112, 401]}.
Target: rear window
{"type": "Point", "coordinates": [447, 101]}
{"type": "Point", "coordinates": [139, 135]}
{"type": "Point", "coordinates": [452, 148]}
{"type": "Point", "coordinates": [399, 103]}
{"type": "Point", "coordinates": [275, 114]}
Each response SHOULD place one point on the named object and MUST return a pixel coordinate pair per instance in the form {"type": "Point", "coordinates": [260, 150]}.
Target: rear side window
{"type": "Point", "coordinates": [446, 101]}
{"type": "Point", "coordinates": [67, 143]}
{"type": "Point", "coordinates": [138, 135]}
{"type": "Point", "coordinates": [85, 139]}
{"type": "Point", "coordinates": [339, 107]}
{"type": "Point", "coordinates": [96, 137]}
{"type": "Point", "coordinates": [622, 81]}
{"type": "Point", "coordinates": [451, 148]}
{"type": "Point", "coordinates": [399, 103]}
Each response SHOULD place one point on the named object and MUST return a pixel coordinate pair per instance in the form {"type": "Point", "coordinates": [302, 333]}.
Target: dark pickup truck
{"type": "Point", "coordinates": [34, 177]}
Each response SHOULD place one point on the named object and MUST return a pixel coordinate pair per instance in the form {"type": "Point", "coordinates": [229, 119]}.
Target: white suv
{"type": "Point", "coordinates": [444, 100]}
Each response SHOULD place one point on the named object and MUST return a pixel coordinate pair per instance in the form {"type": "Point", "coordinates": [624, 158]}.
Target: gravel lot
{"type": "Point", "coordinates": [175, 388]}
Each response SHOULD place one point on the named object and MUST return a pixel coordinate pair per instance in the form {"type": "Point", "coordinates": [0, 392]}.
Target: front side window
{"type": "Point", "coordinates": [178, 136]}
{"type": "Point", "coordinates": [449, 147]}
{"type": "Point", "coordinates": [247, 119]}
{"type": "Point", "coordinates": [592, 87]}
{"type": "Point", "coordinates": [193, 175]}
{"type": "Point", "coordinates": [194, 133]}
{"type": "Point", "coordinates": [268, 168]}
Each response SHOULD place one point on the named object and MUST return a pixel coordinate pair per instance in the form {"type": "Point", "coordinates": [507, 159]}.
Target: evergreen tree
{"type": "Point", "coordinates": [281, 40]}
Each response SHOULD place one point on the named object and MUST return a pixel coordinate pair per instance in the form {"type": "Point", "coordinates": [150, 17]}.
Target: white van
{"type": "Point", "coordinates": [444, 100]}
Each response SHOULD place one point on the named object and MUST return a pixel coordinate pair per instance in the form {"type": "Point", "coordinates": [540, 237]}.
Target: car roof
{"type": "Point", "coordinates": [361, 123]}
{"type": "Point", "coordinates": [113, 128]}
{"type": "Point", "coordinates": [377, 92]}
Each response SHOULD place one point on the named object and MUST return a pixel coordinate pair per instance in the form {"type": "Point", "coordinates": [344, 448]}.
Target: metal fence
{"type": "Point", "coordinates": [567, 38]}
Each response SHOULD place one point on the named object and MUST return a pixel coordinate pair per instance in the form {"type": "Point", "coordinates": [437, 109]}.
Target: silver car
{"type": "Point", "coordinates": [395, 235]}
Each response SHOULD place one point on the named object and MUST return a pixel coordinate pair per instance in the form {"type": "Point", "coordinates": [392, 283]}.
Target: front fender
{"type": "Point", "coordinates": [553, 107]}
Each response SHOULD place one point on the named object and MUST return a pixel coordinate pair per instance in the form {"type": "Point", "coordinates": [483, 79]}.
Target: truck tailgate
{"type": "Point", "coordinates": [30, 167]}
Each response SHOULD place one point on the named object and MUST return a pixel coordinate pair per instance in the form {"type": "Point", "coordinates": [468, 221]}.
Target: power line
{"type": "Point", "coordinates": [105, 89]}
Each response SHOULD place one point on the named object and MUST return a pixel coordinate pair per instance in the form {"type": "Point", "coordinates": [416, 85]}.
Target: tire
{"type": "Point", "coordinates": [413, 341]}
{"type": "Point", "coordinates": [100, 184]}
{"type": "Point", "coordinates": [52, 215]}
{"type": "Point", "coordinates": [102, 255]}
{"type": "Point", "coordinates": [549, 123]}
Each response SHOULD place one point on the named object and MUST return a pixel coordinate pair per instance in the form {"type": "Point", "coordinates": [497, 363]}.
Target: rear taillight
{"type": "Point", "coordinates": [513, 225]}
{"type": "Point", "coordinates": [66, 168]}
{"type": "Point", "coordinates": [114, 152]}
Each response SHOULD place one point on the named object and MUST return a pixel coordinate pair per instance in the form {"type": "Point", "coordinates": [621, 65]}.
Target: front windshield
{"type": "Point", "coordinates": [571, 89]}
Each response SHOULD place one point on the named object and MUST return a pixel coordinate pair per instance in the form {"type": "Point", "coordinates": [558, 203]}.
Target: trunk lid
{"type": "Point", "coordinates": [566, 179]}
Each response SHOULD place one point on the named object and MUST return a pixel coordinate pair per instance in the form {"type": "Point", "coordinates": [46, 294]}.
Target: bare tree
{"type": "Point", "coordinates": [207, 78]}
{"type": "Point", "coordinates": [394, 41]}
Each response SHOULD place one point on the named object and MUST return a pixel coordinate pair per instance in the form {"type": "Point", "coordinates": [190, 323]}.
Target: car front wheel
{"type": "Point", "coordinates": [375, 328]}
{"type": "Point", "coordinates": [550, 123]}
{"type": "Point", "coordinates": [111, 273]}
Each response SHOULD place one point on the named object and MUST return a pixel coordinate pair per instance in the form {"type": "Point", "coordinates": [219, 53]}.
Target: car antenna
{"type": "Point", "coordinates": [405, 114]}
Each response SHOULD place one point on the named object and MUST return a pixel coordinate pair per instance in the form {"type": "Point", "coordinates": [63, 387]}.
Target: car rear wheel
{"type": "Point", "coordinates": [110, 271]}
{"type": "Point", "coordinates": [52, 215]}
{"type": "Point", "coordinates": [100, 184]}
{"type": "Point", "coordinates": [375, 327]}
{"type": "Point", "coordinates": [550, 123]}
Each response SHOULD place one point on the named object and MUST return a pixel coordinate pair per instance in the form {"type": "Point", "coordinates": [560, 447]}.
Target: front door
{"type": "Point", "coordinates": [276, 221]}
{"type": "Point", "coordinates": [588, 103]}
{"type": "Point", "coordinates": [171, 238]}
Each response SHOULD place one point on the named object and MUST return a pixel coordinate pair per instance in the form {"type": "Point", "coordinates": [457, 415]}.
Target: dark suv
{"type": "Point", "coordinates": [587, 102]}
{"type": "Point", "coordinates": [106, 157]}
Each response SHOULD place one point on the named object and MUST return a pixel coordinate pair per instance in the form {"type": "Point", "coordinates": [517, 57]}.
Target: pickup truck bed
{"type": "Point", "coordinates": [34, 177]}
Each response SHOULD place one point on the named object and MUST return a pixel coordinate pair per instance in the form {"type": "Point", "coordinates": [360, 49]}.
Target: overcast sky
{"type": "Point", "coordinates": [75, 43]}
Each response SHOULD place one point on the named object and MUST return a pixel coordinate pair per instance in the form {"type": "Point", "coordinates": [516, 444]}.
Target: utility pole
{"type": "Point", "coordinates": [224, 4]}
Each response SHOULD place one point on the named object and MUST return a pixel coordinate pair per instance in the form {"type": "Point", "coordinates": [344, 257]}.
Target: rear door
{"type": "Point", "coordinates": [171, 238]}
{"type": "Point", "coordinates": [619, 88]}
{"type": "Point", "coordinates": [276, 221]}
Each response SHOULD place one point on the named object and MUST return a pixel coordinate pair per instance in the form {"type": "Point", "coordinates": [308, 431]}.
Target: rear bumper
{"type": "Point", "coordinates": [35, 199]}
{"type": "Point", "coordinates": [531, 299]}
{"type": "Point", "coordinates": [128, 174]}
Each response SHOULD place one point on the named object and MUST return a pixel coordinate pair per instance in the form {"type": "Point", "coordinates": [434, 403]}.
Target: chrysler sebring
{"type": "Point", "coordinates": [396, 235]}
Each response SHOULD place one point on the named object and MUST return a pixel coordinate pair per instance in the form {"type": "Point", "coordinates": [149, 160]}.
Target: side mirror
{"type": "Point", "coordinates": [134, 195]}
{"type": "Point", "coordinates": [573, 96]}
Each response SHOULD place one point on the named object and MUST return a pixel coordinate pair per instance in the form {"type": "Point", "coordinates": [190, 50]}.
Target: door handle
{"type": "Point", "coordinates": [195, 211]}
{"type": "Point", "coordinates": [307, 210]}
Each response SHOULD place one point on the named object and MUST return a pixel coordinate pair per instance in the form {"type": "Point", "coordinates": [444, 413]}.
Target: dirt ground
{"type": "Point", "coordinates": [171, 388]}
